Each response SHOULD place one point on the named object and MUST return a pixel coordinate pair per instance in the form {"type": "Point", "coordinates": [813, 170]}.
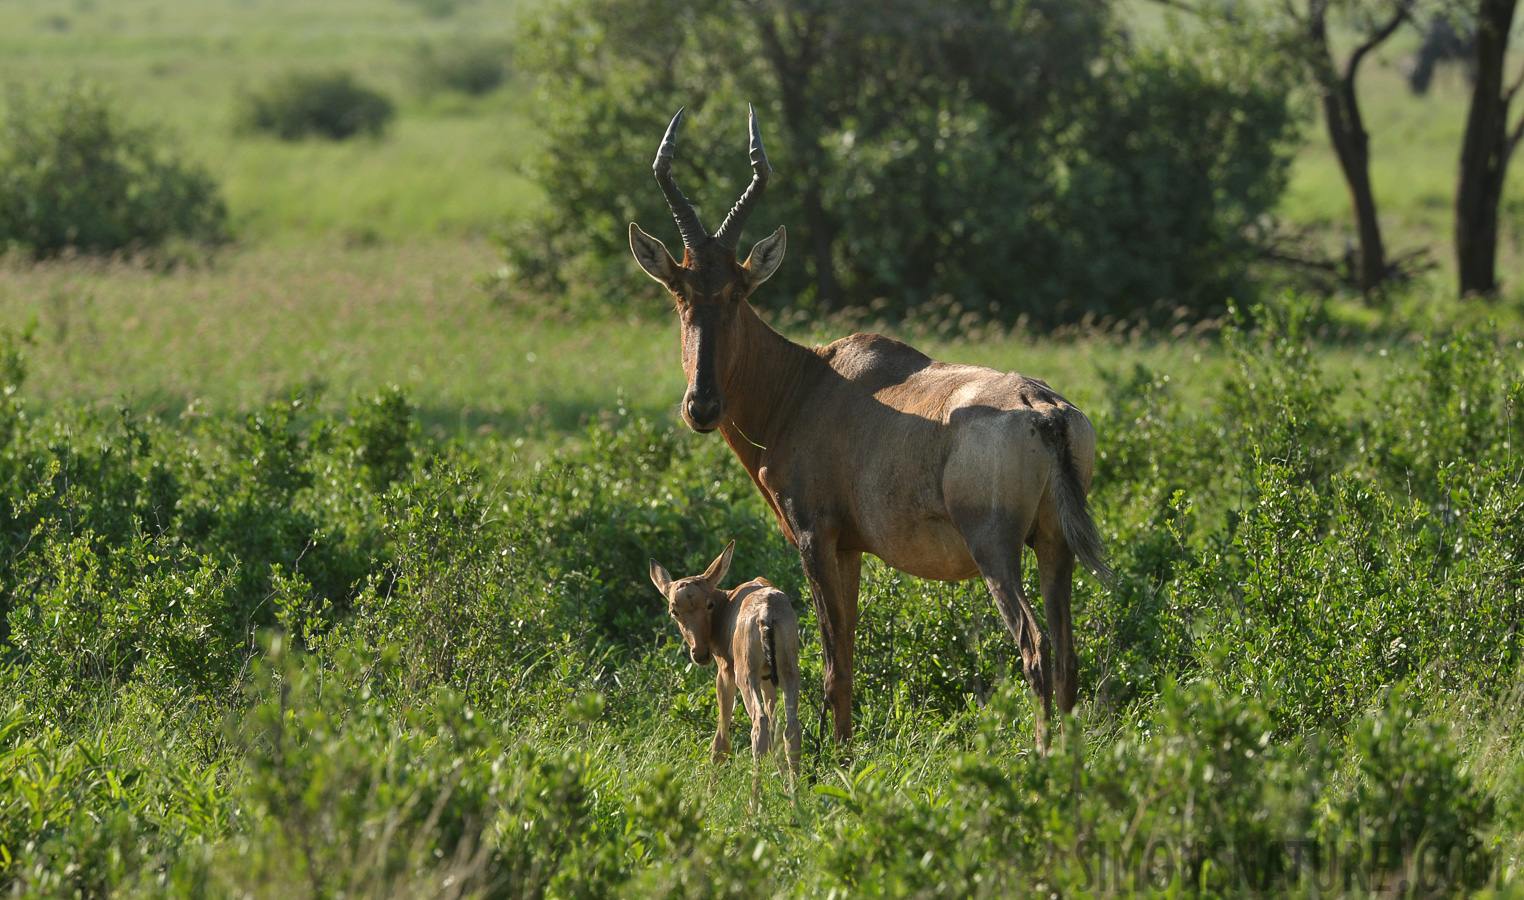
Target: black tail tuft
{"type": "Point", "coordinates": [769, 650]}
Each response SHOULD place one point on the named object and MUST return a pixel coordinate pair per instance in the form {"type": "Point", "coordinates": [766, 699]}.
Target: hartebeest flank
{"type": "Point", "coordinates": [869, 446]}
{"type": "Point", "coordinates": [752, 636]}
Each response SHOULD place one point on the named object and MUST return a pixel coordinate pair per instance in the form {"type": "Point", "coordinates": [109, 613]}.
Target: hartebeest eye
{"type": "Point", "coordinates": [710, 605]}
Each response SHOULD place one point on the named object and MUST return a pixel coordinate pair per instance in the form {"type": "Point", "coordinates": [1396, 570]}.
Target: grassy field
{"type": "Point", "coordinates": [401, 642]}
{"type": "Point", "coordinates": [343, 319]}
{"type": "Point", "coordinates": [450, 166]}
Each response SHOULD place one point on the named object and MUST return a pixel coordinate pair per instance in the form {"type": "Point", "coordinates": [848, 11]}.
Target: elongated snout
{"type": "Point", "coordinates": [702, 410]}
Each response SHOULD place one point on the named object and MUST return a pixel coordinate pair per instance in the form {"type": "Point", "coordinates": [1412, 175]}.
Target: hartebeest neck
{"type": "Point", "coordinates": [766, 385]}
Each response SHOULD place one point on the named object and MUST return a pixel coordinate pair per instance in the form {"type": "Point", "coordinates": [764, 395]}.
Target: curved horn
{"type": "Point", "coordinates": [687, 218]}
{"type": "Point", "coordinates": [729, 235]}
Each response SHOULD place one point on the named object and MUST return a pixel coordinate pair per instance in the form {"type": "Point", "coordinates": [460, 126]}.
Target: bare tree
{"type": "Point", "coordinates": [1346, 128]}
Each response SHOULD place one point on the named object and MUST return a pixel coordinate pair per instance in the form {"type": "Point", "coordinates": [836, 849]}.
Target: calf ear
{"type": "Point", "coordinates": [765, 257]}
{"type": "Point", "coordinates": [654, 258]}
{"type": "Point", "coordinates": [660, 578]}
{"type": "Point", "coordinates": [717, 569]}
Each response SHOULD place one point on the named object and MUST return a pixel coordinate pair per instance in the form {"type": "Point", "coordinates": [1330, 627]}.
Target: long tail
{"type": "Point", "coordinates": [1074, 513]}
{"type": "Point", "coordinates": [769, 649]}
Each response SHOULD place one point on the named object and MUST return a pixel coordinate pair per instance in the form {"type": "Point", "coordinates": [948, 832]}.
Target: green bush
{"type": "Point", "coordinates": [75, 173]}
{"type": "Point", "coordinates": [468, 65]}
{"type": "Point", "coordinates": [1006, 160]}
{"type": "Point", "coordinates": [316, 104]}
{"type": "Point", "coordinates": [1414, 812]}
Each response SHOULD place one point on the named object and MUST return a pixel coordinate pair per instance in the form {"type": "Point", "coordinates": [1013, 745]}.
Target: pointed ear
{"type": "Point", "coordinates": [660, 577]}
{"type": "Point", "coordinates": [653, 257]}
{"type": "Point", "coordinates": [765, 256]}
{"type": "Point", "coordinates": [717, 569]}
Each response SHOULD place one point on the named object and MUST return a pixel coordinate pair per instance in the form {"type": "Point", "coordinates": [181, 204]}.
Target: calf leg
{"type": "Point", "coordinates": [761, 730]}
{"type": "Point", "coordinates": [725, 686]}
{"type": "Point", "coordinates": [792, 733]}
{"type": "Point", "coordinates": [761, 721]}
{"type": "Point", "coordinates": [769, 693]}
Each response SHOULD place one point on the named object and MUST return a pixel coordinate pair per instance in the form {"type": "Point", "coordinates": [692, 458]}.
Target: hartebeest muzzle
{"type": "Point", "coordinates": [702, 413]}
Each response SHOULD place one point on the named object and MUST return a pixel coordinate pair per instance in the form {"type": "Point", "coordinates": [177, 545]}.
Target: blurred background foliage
{"type": "Point", "coordinates": [1025, 159]}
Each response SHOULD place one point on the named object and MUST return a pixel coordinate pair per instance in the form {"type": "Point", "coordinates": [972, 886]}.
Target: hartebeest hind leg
{"type": "Point", "coordinates": [997, 547]}
{"type": "Point", "coordinates": [1055, 574]}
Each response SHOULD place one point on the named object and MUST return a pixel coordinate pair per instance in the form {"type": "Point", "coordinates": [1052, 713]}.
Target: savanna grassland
{"type": "Point", "coordinates": [324, 555]}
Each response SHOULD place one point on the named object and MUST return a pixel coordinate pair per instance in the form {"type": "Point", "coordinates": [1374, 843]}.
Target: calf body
{"type": "Point", "coordinates": [752, 636]}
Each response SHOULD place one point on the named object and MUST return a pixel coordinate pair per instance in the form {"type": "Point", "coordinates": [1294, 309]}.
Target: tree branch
{"type": "Point", "coordinates": [1514, 88]}
{"type": "Point", "coordinates": [1180, 5]}
{"type": "Point", "coordinates": [1404, 8]}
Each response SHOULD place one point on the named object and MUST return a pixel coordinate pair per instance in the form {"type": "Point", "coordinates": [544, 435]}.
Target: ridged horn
{"type": "Point", "coordinates": [729, 235]}
{"type": "Point", "coordinates": [687, 218]}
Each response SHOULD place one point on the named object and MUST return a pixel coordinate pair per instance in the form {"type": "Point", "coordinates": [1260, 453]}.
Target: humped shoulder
{"type": "Point", "coordinates": [860, 354]}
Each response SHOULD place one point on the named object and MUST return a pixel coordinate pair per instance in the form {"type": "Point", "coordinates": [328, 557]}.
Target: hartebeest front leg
{"type": "Point", "coordinates": [725, 687]}
{"type": "Point", "coordinates": [834, 579]}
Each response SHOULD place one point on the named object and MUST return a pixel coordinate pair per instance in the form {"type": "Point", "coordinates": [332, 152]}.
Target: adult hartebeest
{"type": "Point", "coordinates": [869, 446]}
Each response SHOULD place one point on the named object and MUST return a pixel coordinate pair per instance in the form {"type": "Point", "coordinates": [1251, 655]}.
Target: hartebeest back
{"type": "Point", "coordinates": [869, 446]}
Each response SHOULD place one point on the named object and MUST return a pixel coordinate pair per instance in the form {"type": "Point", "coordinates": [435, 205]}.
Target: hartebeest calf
{"type": "Point", "coordinates": [869, 446]}
{"type": "Point", "coordinates": [752, 636]}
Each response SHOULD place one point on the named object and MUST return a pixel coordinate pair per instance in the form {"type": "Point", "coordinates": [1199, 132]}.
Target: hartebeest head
{"type": "Point", "coordinates": [691, 603]}
{"type": "Point", "coordinates": [710, 284]}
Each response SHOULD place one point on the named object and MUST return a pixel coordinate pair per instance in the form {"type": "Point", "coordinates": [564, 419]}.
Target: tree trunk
{"type": "Point", "coordinates": [793, 57]}
{"type": "Point", "coordinates": [1347, 134]}
{"type": "Point", "coordinates": [1351, 144]}
{"type": "Point", "coordinates": [1485, 151]}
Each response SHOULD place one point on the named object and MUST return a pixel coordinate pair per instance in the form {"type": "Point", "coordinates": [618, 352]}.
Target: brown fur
{"type": "Point", "coordinates": [752, 636]}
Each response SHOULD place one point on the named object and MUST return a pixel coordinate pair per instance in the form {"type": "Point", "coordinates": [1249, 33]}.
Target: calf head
{"type": "Point", "coordinates": [692, 601]}
{"type": "Point", "coordinates": [710, 284]}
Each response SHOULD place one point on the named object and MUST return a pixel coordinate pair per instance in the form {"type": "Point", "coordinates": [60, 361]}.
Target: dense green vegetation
{"type": "Point", "coordinates": [323, 555]}
{"type": "Point", "coordinates": [303, 651]}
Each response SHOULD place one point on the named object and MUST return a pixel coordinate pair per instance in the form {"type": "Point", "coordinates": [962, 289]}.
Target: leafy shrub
{"type": "Point", "coordinates": [74, 173]}
{"type": "Point", "coordinates": [1202, 798]}
{"type": "Point", "coordinates": [316, 104]}
{"type": "Point", "coordinates": [467, 65]}
{"type": "Point", "coordinates": [383, 431]}
{"type": "Point", "coordinates": [337, 787]}
{"type": "Point", "coordinates": [440, 9]}
{"type": "Point", "coordinates": [1414, 810]}
{"type": "Point", "coordinates": [87, 814]}
{"type": "Point", "coordinates": [597, 513]}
